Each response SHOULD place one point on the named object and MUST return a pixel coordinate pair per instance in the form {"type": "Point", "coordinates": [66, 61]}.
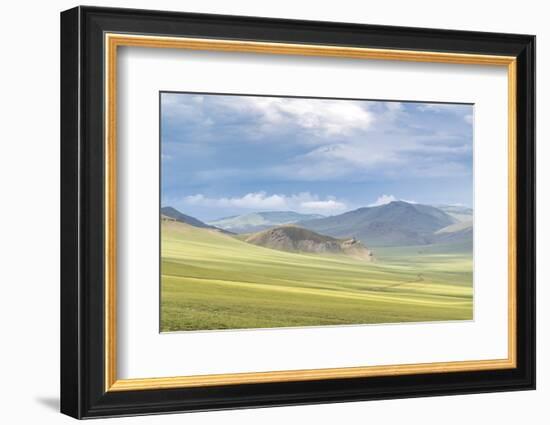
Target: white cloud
{"type": "Point", "coordinates": [383, 200]}
{"type": "Point", "coordinates": [256, 117]}
{"type": "Point", "coordinates": [261, 201]}
{"type": "Point", "coordinates": [322, 117]}
{"type": "Point", "coordinates": [357, 154]}
{"type": "Point", "coordinates": [328, 205]}
{"type": "Point", "coordinates": [394, 106]}
{"type": "Point", "coordinates": [386, 199]}
{"type": "Point", "coordinates": [329, 139]}
{"type": "Point", "coordinates": [437, 107]}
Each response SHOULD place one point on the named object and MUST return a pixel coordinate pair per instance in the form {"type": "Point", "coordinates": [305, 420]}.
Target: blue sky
{"type": "Point", "coordinates": [225, 155]}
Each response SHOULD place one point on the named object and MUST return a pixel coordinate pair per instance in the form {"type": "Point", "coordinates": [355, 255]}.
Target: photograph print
{"type": "Point", "coordinates": [281, 212]}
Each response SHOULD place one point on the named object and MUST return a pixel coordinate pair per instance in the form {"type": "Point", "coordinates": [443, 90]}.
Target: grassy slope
{"type": "Point", "coordinates": [215, 281]}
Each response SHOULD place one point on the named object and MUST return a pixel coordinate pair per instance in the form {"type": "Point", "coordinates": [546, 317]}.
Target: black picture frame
{"type": "Point", "coordinates": [83, 392]}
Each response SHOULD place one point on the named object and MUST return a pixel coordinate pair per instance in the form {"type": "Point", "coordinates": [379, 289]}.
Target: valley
{"type": "Point", "coordinates": [214, 279]}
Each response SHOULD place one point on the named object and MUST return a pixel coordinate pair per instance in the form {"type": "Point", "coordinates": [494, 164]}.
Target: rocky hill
{"type": "Point", "coordinates": [292, 238]}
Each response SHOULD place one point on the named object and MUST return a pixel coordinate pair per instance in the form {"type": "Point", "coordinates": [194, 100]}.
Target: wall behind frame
{"type": "Point", "coordinates": [29, 219]}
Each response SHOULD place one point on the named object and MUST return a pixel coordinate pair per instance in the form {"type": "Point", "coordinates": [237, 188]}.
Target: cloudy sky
{"type": "Point", "coordinates": [224, 155]}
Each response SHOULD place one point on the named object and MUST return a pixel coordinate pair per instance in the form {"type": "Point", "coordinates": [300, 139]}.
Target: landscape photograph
{"type": "Point", "coordinates": [281, 212]}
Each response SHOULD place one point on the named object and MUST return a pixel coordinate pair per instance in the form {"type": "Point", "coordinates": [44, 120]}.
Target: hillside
{"type": "Point", "coordinates": [174, 214]}
{"type": "Point", "coordinates": [254, 222]}
{"type": "Point", "coordinates": [296, 239]}
{"type": "Point", "coordinates": [455, 233]}
{"type": "Point", "coordinates": [398, 223]}
{"type": "Point", "coordinates": [211, 280]}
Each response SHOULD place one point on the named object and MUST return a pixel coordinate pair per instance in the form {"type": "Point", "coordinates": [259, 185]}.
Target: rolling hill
{"type": "Point", "coordinates": [460, 232]}
{"type": "Point", "coordinates": [292, 238]}
{"type": "Point", "coordinates": [211, 280]}
{"type": "Point", "coordinates": [257, 221]}
{"type": "Point", "coordinates": [397, 223]}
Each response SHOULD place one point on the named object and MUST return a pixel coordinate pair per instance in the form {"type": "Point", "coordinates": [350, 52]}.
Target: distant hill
{"type": "Point", "coordinates": [292, 238]}
{"type": "Point", "coordinates": [455, 233]}
{"type": "Point", "coordinates": [397, 223]}
{"type": "Point", "coordinates": [458, 212]}
{"type": "Point", "coordinates": [174, 214]}
{"type": "Point", "coordinates": [257, 221]}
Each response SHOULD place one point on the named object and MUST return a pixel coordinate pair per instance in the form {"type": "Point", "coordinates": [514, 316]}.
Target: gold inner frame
{"type": "Point", "coordinates": [113, 41]}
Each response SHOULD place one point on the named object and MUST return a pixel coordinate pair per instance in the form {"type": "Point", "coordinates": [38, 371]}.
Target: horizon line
{"type": "Point", "coordinates": [437, 205]}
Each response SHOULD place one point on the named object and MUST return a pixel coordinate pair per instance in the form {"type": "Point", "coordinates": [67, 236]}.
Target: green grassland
{"type": "Point", "coordinates": [212, 280]}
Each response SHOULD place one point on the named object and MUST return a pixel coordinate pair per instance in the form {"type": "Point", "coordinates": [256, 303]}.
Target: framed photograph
{"type": "Point", "coordinates": [261, 212]}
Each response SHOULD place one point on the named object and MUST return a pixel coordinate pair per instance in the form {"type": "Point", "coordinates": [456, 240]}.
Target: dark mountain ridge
{"type": "Point", "coordinates": [397, 223]}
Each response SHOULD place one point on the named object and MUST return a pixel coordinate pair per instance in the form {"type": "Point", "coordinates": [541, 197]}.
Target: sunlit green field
{"type": "Point", "coordinates": [215, 281]}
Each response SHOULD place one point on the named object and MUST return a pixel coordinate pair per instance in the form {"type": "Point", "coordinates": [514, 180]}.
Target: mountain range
{"type": "Point", "coordinates": [257, 221]}
{"type": "Point", "coordinates": [174, 214]}
{"type": "Point", "coordinates": [397, 223]}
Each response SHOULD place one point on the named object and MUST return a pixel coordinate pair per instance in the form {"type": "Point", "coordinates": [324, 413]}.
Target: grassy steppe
{"type": "Point", "coordinates": [215, 281]}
